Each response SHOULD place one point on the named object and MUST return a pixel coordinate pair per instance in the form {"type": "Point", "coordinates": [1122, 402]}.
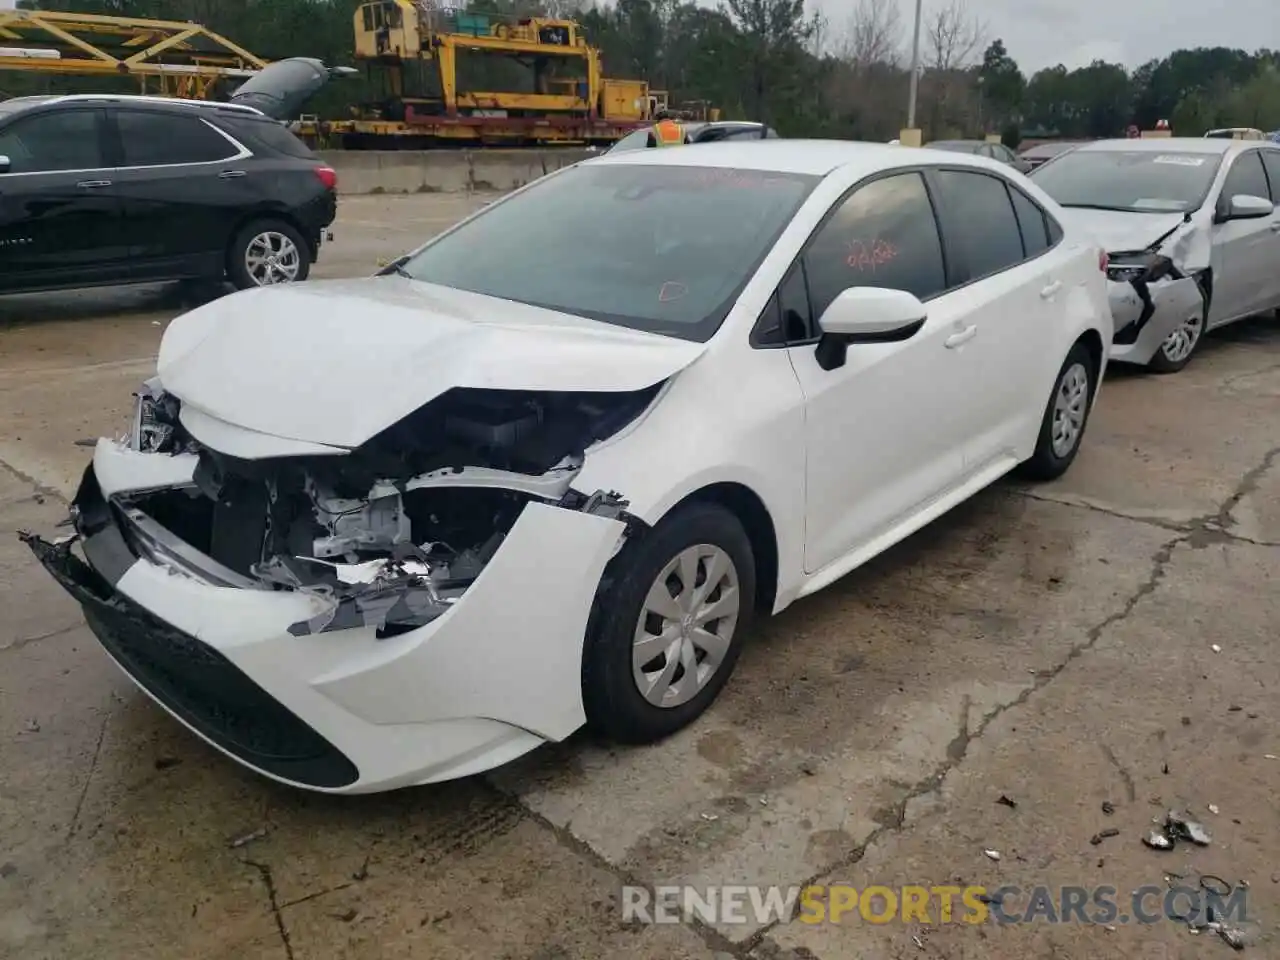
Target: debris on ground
{"type": "Point", "coordinates": [1101, 835]}
{"type": "Point", "coordinates": [247, 838]}
{"type": "Point", "coordinates": [1176, 826]}
{"type": "Point", "coordinates": [1108, 807]}
{"type": "Point", "coordinates": [363, 872]}
{"type": "Point", "coordinates": [709, 817]}
{"type": "Point", "coordinates": [992, 854]}
{"type": "Point", "coordinates": [31, 726]}
{"type": "Point", "coordinates": [86, 443]}
{"type": "Point", "coordinates": [1157, 840]}
{"type": "Point", "coordinates": [1006, 802]}
{"type": "Point", "coordinates": [1213, 808]}
{"type": "Point", "coordinates": [1233, 936]}
{"type": "Point", "coordinates": [1215, 648]}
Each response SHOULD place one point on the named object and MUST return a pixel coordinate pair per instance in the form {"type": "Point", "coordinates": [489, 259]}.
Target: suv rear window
{"type": "Point", "coordinates": [272, 134]}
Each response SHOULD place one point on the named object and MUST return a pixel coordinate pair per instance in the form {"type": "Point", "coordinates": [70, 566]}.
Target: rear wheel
{"type": "Point", "coordinates": [668, 623]}
{"type": "Point", "coordinates": [267, 252]}
{"type": "Point", "coordinates": [1065, 418]}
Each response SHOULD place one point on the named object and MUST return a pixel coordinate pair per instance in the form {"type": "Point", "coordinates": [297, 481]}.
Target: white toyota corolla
{"type": "Point", "coordinates": [541, 472]}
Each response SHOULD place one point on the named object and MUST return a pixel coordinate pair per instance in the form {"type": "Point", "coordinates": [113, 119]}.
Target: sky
{"type": "Point", "coordinates": [1042, 33]}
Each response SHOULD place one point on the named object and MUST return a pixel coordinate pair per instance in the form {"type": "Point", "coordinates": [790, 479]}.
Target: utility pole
{"type": "Point", "coordinates": [915, 69]}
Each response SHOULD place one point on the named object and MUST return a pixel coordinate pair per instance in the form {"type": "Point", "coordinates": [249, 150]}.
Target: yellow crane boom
{"type": "Point", "coordinates": [181, 59]}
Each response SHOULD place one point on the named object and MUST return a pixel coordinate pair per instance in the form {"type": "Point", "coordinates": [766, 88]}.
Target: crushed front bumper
{"type": "Point", "coordinates": [345, 711]}
{"type": "Point", "coordinates": [1146, 313]}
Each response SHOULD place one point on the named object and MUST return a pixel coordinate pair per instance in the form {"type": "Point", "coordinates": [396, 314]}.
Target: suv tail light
{"type": "Point", "coordinates": [328, 176]}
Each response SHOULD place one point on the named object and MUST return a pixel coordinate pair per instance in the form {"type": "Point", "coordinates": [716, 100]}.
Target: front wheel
{"type": "Point", "coordinates": [267, 252]}
{"type": "Point", "coordinates": [667, 625]}
{"type": "Point", "coordinates": [1065, 417]}
{"type": "Point", "coordinates": [1178, 348]}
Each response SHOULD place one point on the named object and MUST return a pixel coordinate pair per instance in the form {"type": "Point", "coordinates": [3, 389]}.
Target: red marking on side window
{"type": "Point", "coordinates": [870, 256]}
{"type": "Point", "coordinates": [671, 291]}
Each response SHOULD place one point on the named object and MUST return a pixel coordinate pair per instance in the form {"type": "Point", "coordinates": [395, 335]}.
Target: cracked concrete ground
{"type": "Point", "coordinates": [1054, 645]}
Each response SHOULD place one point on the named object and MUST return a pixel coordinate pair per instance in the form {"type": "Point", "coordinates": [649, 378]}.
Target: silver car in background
{"type": "Point", "coordinates": [1192, 232]}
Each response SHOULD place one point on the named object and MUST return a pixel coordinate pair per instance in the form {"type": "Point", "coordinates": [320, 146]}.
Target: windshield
{"type": "Point", "coordinates": [659, 248]}
{"type": "Point", "coordinates": [1137, 181]}
{"type": "Point", "coordinates": [1047, 150]}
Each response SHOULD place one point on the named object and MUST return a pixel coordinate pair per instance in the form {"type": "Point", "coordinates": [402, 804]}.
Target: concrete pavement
{"type": "Point", "coordinates": [1054, 645]}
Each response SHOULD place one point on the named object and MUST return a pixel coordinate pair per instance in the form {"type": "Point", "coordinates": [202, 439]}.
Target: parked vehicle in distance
{"type": "Point", "coordinates": [1042, 153]}
{"type": "Point", "coordinates": [699, 132]}
{"type": "Point", "coordinates": [395, 530]}
{"type": "Point", "coordinates": [98, 189]}
{"type": "Point", "coordinates": [1236, 133]}
{"type": "Point", "coordinates": [1192, 230]}
{"type": "Point", "coordinates": [981, 148]}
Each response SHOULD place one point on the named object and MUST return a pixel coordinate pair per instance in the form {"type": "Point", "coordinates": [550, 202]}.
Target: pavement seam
{"type": "Point", "coordinates": [1170, 525]}
{"type": "Point", "coordinates": [26, 641]}
{"type": "Point", "coordinates": [268, 881]}
{"type": "Point", "coordinates": [93, 767]}
{"type": "Point", "coordinates": [38, 487]}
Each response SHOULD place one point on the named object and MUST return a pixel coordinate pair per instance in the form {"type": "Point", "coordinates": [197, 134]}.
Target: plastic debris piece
{"type": "Point", "coordinates": [918, 942]}
{"type": "Point", "coordinates": [248, 838]}
{"type": "Point", "coordinates": [1232, 936]}
{"type": "Point", "coordinates": [992, 854]}
{"type": "Point", "coordinates": [1101, 835]}
{"type": "Point", "coordinates": [1157, 840]}
{"type": "Point", "coordinates": [1108, 807]}
{"type": "Point", "coordinates": [1213, 808]}
{"type": "Point", "coordinates": [1215, 648]}
{"type": "Point", "coordinates": [709, 817]}
{"type": "Point", "coordinates": [1007, 802]}
{"type": "Point", "coordinates": [31, 726]}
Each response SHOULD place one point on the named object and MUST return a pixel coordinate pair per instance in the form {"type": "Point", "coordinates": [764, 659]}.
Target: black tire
{"type": "Point", "coordinates": [1045, 464]}
{"type": "Point", "coordinates": [1161, 363]}
{"type": "Point", "coordinates": [238, 272]}
{"type": "Point", "coordinates": [614, 705]}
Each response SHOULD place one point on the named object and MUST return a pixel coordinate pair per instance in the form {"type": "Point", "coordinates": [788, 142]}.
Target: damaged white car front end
{"type": "Point", "coordinates": [1156, 279]}
{"type": "Point", "coordinates": [355, 614]}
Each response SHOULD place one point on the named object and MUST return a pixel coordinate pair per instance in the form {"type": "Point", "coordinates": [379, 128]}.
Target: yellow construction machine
{"type": "Point", "coordinates": [166, 57]}
{"type": "Point", "coordinates": [422, 56]}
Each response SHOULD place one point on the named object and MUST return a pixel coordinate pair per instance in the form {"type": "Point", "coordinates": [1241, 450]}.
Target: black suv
{"type": "Point", "coordinates": [119, 189]}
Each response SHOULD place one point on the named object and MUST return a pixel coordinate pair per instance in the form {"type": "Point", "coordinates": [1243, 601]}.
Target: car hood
{"type": "Point", "coordinates": [337, 362]}
{"type": "Point", "coordinates": [1183, 240]}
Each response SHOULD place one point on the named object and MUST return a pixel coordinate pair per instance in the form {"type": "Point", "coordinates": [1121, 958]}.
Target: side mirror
{"type": "Point", "coordinates": [1245, 206]}
{"type": "Point", "coordinates": [5, 164]}
{"type": "Point", "coordinates": [867, 315]}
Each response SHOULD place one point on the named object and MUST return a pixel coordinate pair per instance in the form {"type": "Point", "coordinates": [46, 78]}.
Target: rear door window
{"type": "Point", "coordinates": [167, 139]}
{"type": "Point", "coordinates": [50, 142]}
{"type": "Point", "coordinates": [980, 221]}
{"type": "Point", "coordinates": [1033, 223]}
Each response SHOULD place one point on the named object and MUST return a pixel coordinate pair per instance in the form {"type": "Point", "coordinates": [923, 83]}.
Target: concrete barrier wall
{"type": "Point", "coordinates": [444, 171]}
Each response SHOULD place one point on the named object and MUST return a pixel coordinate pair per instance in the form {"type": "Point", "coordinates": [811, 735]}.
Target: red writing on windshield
{"type": "Point", "coordinates": [870, 256]}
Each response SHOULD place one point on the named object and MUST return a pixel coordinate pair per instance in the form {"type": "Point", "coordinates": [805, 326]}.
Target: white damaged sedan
{"type": "Point", "coordinates": [541, 472]}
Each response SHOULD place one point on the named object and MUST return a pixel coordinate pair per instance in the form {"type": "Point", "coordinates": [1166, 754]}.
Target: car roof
{"type": "Point", "coordinates": [1169, 145]}
{"type": "Point", "coordinates": [24, 103]}
{"type": "Point", "coordinates": [810, 157]}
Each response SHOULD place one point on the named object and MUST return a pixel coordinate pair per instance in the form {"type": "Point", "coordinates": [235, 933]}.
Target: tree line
{"type": "Point", "coordinates": [787, 65]}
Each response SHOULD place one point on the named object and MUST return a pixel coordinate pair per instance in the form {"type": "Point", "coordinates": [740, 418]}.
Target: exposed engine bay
{"type": "Point", "coordinates": [393, 532]}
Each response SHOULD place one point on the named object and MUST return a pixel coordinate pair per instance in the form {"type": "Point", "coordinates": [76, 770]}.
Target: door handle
{"type": "Point", "coordinates": [230, 174]}
{"type": "Point", "coordinates": [1051, 291]}
{"type": "Point", "coordinates": [91, 184]}
{"type": "Point", "coordinates": [964, 336]}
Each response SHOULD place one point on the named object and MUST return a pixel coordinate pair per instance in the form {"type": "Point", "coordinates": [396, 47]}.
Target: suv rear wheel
{"type": "Point", "coordinates": [267, 252]}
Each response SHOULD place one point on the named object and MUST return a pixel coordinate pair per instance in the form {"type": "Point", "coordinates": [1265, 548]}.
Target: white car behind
{"type": "Point", "coordinates": [1193, 233]}
{"type": "Point", "coordinates": [373, 533]}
